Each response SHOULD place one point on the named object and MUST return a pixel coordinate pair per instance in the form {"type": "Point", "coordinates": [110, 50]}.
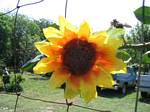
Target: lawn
{"type": "Point", "coordinates": [37, 87]}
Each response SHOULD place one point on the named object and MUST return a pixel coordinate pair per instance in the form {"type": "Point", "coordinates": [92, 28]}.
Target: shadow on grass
{"type": "Point", "coordinates": [109, 93]}
{"type": "Point", "coordinates": [145, 100]}
{"type": "Point", "coordinates": [40, 77]}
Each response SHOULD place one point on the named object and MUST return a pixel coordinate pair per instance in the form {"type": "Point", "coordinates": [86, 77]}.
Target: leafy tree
{"type": "Point", "coordinates": [44, 23]}
{"type": "Point", "coordinates": [5, 34]}
{"type": "Point", "coordinates": [27, 32]}
{"type": "Point", "coordinates": [17, 49]}
{"type": "Point", "coordinates": [136, 36]}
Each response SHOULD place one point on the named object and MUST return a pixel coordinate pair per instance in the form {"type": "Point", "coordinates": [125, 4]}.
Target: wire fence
{"type": "Point", "coordinates": [68, 104]}
{"type": "Point", "coordinates": [18, 94]}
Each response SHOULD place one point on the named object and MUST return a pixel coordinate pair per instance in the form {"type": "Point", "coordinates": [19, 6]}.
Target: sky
{"type": "Point", "coordinates": [98, 13]}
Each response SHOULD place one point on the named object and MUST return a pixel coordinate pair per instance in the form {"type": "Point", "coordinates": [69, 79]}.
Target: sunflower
{"type": "Point", "coordinates": [79, 59]}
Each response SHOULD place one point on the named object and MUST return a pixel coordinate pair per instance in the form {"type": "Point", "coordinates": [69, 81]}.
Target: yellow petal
{"type": "Point", "coordinates": [58, 78]}
{"type": "Point", "coordinates": [105, 60]}
{"type": "Point", "coordinates": [63, 23]}
{"type": "Point", "coordinates": [88, 89]}
{"type": "Point", "coordinates": [72, 87]}
{"type": "Point", "coordinates": [84, 30]}
{"type": "Point", "coordinates": [53, 35]}
{"type": "Point", "coordinates": [105, 79]}
{"type": "Point", "coordinates": [108, 60]}
{"type": "Point", "coordinates": [69, 35]}
{"type": "Point", "coordinates": [99, 38]}
{"type": "Point", "coordinates": [119, 66]}
{"type": "Point", "coordinates": [112, 64]}
{"type": "Point", "coordinates": [103, 40]}
{"type": "Point", "coordinates": [115, 43]}
{"type": "Point", "coordinates": [47, 48]}
{"type": "Point", "coordinates": [45, 65]}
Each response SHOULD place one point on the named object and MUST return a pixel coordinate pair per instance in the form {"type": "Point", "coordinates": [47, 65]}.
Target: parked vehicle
{"type": "Point", "coordinates": [144, 86]}
{"type": "Point", "coordinates": [125, 80]}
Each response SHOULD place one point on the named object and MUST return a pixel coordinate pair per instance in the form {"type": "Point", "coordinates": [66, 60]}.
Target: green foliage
{"type": "Point", "coordinates": [116, 32]}
{"type": "Point", "coordinates": [139, 14]}
{"type": "Point", "coordinates": [146, 57]}
{"type": "Point", "coordinates": [14, 83]}
{"type": "Point", "coordinates": [1, 84]}
{"type": "Point", "coordinates": [2, 63]}
{"type": "Point", "coordinates": [27, 32]}
{"type": "Point", "coordinates": [36, 86]}
{"type": "Point", "coordinates": [124, 55]}
{"type": "Point", "coordinates": [19, 49]}
{"type": "Point", "coordinates": [5, 36]}
{"type": "Point", "coordinates": [54, 25]}
{"type": "Point", "coordinates": [44, 23]}
{"type": "Point", "coordinates": [136, 36]}
{"type": "Point", "coordinates": [2, 66]}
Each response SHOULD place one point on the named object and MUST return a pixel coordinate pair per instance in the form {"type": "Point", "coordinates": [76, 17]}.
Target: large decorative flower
{"type": "Point", "coordinates": [79, 59]}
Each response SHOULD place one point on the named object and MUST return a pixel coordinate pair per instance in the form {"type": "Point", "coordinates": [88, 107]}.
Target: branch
{"type": "Point", "coordinates": [18, 6]}
{"type": "Point", "coordinates": [136, 46]}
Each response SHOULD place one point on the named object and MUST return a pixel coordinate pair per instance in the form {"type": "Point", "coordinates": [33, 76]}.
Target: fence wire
{"type": "Point", "coordinates": [68, 104]}
{"type": "Point", "coordinates": [18, 94]}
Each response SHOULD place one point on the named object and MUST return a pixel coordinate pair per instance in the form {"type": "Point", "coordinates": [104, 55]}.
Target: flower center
{"type": "Point", "coordinates": [78, 56]}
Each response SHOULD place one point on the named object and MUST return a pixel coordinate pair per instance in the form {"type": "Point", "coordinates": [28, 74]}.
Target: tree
{"type": "Point", "coordinates": [17, 47]}
{"type": "Point", "coordinates": [138, 36]}
{"type": "Point", "coordinates": [5, 34]}
{"type": "Point", "coordinates": [27, 32]}
{"type": "Point", "coordinates": [44, 23]}
{"type": "Point", "coordinates": [17, 43]}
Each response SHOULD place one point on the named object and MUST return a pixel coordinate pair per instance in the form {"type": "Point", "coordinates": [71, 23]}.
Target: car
{"type": "Point", "coordinates": [125, 80]}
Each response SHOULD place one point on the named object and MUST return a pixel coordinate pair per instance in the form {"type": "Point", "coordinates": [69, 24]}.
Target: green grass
{"type": "Point", "coordinates": [37, 87]}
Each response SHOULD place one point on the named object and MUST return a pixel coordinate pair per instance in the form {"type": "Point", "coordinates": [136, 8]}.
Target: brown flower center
{"type": "Point", "coordinates": [78, 56]}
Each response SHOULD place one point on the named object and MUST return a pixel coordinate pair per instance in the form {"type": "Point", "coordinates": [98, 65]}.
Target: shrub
{"type": "Point", "coordinates": [1, 84]}
{"type": "Point", "coordinates": [14, 83]}
{"type": "Point", "coordinates": [2, 66]}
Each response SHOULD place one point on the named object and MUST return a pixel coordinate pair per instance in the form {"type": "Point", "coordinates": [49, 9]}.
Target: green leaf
{"type": "Point", "coordinates": [122, 54]}
{"type": "Point", "coordinates": [146, 57]}
{"type": "Point", "coordinates": [116, 32]}
{"type": "Point", "coordinates": [55, 25]}
{"type": "Point", "coordinates": [28, 66]}
{"type": "Point", "coordinates": [139, 15]}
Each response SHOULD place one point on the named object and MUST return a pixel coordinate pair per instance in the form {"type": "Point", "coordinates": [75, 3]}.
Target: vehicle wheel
{"type": "Point", "coordinates": [144, 94]}
{"type": "Point", "coordinates": [99, 89]}
{"type": "Point", "coordinates": [124, 89]}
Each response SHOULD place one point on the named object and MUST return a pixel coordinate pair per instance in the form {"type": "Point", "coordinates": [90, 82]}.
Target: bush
{"type": "Point", "coordinates": [2, 66]}
{"type": "Point", "coordinates": [1, 84]}
{"type": "Point", "coordinates": [14, 83]}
